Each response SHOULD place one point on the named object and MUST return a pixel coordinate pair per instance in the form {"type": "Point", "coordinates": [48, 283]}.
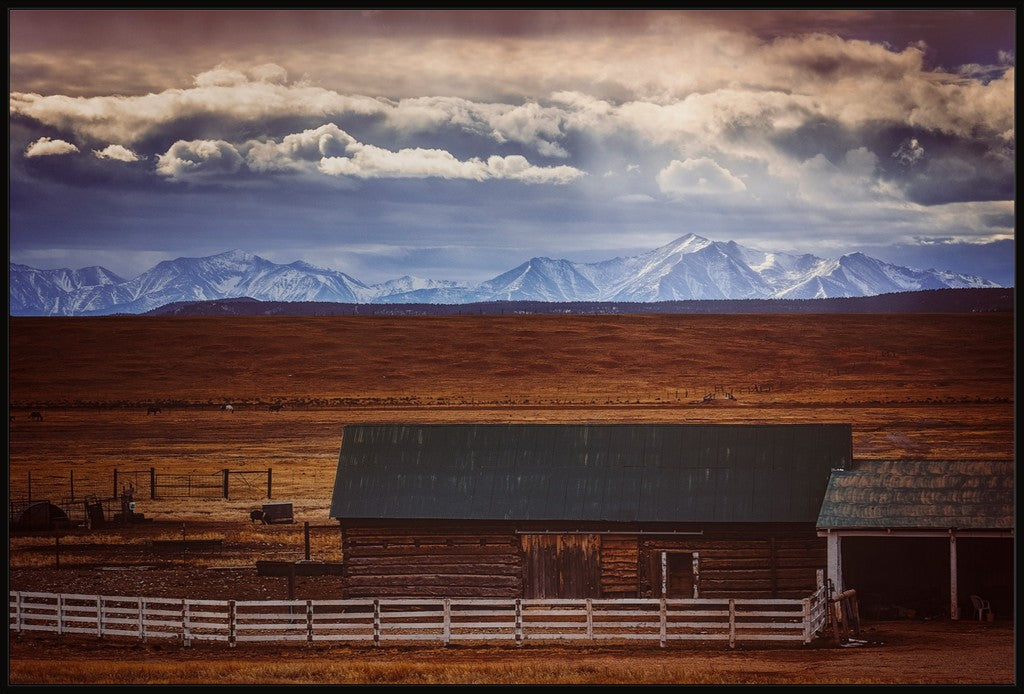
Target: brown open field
{"type": "Point", "coordinates": [912, 386]}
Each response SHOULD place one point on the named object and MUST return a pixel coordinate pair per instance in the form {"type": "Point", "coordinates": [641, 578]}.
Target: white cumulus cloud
{"type": "Point", "coordinates": [46, 147]}
{"type": "Point", "coordinates": [700, 176]}
{"type": "Point", "coordinates": [199, 159]}
{"type": "Point", "coordinates": [117, 152]}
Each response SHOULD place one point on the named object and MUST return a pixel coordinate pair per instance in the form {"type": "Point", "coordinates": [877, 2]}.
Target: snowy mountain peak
{"type": "Point", "coordinates": [690, 267]}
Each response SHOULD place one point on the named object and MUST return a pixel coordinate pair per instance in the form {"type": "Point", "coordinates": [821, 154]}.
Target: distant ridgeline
{"type": "Point", "coordinates": [974, 300]}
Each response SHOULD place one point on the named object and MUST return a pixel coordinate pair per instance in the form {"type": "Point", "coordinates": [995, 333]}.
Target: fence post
{"type": "Point", "coordinates": [376, 622]}
{"type": "Point", "coordinates": [309, 621]}
{"type": "Point", "coordinates": [231, 623]}
{"type": "Point", "coordinates": [270, 472]}
{"type": "Point", "coordinates": [114, 495]}
{"type": "Point", "coordinates": [18, 610]}
{"type": "Point", "coordinates": [732, 623]}
{"type": "Point", "coordinates": [152, 483]}
{"type": "Point", "coordinates": [60, 613]}
{"type": "Point", "coordinates": [519, 622]}
{"type": "Point", "coordinates": [447, 621]}
{"type": "Point", "coordinates": [142, 619]}
{"type": "Point", "coordinates": [807, 620]}
{"type": "Point", "coordinates": [225, 483]}
{"type": "Point", "coordinates": [590, 619]}
{"type": "Point", "coordinates": [185, 625]}
{"type": "Point", "coordinates": [99, 616]}
{"type": "Point", "coordinates": [663, 620]}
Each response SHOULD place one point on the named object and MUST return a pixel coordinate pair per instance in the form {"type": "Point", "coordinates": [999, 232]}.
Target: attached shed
{"type": "Point", "coordinates": [584, 510]}
{"type": "Point", "coordinates": [921, 537]}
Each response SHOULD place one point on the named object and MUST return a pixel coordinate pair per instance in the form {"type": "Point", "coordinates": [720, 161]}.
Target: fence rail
{"type": "Point", "coordinates": [443, 621]}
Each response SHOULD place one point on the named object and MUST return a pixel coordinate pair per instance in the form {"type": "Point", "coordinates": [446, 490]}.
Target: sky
{"type": "Point", "coordinates": [456, 144]}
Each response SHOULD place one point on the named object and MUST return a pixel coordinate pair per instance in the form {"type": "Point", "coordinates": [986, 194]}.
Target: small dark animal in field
{"type": "Point", "coordinates": [275, 408]}
{"type": "Point", "coordinates": [709, 397]}
{"type": "Point", "coordinates": [256, 515]}
{"type": "Point", "coordinates": [153, 409]}
{"type": "Point", "coordinates": [227, 408]}
{"type": "Point", "coordinates": [36, 416]}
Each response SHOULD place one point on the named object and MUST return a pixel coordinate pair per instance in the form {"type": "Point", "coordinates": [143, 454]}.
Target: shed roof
{"type": "Point", "coordinates": [920, 494]}
{"type": "Point", "coordinates": [582, 472]}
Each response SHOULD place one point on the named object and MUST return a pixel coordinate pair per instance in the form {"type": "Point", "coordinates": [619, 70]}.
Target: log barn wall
{"type": "Point", "coordinates": [431, 559]}
{"type": "Point", "coordinates": [504, 559]}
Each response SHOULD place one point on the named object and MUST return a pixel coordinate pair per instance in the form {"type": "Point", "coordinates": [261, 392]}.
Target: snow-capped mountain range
{"type": "Point", "coordinates": [691, 267]}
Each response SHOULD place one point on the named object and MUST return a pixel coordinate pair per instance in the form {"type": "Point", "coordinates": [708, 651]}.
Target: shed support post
{"type": "Point", "coordinates": [835, 561]}
{"type": "Point", "coordinates": [226, 473]}
{"type": "Point", "coordinates": [954, 603]}
{"type": "Point", "coordinates": [305, 532]}
{"type": "Point", "coordinates": [152, 483]}
{"type": "Point", "coordinates": [72, 485]}
{"type": "Point", "coordinates": [270, 474]}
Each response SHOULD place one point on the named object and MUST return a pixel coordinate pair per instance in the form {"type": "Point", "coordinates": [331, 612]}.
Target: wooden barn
{"type": "Point", "coordinates": [584, 510]}
{"type": "Point", "coordinates": [919, 538]}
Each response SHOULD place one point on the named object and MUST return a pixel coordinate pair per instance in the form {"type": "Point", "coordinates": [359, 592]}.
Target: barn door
{"type": "Point", "coordinates": [561, 566]}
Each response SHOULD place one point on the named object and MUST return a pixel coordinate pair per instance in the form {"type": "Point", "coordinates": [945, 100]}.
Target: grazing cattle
{"type": "Point", "coordinates": [256, 515]}
{"type": "Point", "coordinates": [36, 416]}
{"type": "Point", "coordinates": [275, 408]}
{"type": "Point", "coordinates": [227, 408]}
{"type": "Point", "coordinates": [153, 409]}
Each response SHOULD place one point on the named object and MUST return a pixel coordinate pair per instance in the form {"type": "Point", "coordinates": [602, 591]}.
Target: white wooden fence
{"type": "Point", "coordinates": [444, 621]}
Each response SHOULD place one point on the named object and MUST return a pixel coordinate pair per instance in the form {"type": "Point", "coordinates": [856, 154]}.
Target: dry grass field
{"type": "Point", "coordinates": [912, 386]}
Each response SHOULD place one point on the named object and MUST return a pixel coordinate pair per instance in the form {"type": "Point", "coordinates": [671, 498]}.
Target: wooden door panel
{"type": "Point", "coordinates": [561, 566]}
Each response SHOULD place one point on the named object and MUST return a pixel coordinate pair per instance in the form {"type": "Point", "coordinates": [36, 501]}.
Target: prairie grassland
{"type": "Point", "coordinates": [897, 653]}
{"type": "Point", "coordinates": [912, 386]}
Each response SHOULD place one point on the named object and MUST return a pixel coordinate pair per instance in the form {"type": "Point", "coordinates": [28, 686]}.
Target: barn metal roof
{"type": "Point", "coordinates": [920, 494]}
{"type": "Point", "coordinates": [584, 472]}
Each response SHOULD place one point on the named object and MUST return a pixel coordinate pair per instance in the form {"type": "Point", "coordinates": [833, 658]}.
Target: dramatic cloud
{"type": "Point", "coordinates": [697, 177]}
{"type": "Point", "coordinates": [816, 131]}
{"type": "Point", "coordinates": [199, 159]}
{"type": "Point", "coordinates": [46, 147]}
{"type": "Point", "coordinates": [909, 151]}
{"type": "Point", "coordinates": [116, 152]}
{"type": "Point", "coordinates": [332, 151]}
{"type": "Point", "coordinates": [367, 161]}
